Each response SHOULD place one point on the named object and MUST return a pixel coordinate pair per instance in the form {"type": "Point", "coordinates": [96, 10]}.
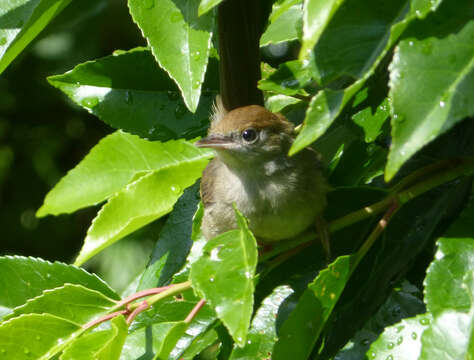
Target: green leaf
{"type": "Point", "coordinates": [25, 278]}
{"type": "Point", "coordinates": [289, 79]}
{"type": "Point", "coordinates": [305, 323]}
{"type": "Point", "coordinates": [374, 40]}
{"type": "Point", "coordinates": [74, 303]}
{"type": "Point", "coordinates": [372, 122]}
{"type": "Point", "coordinates": [21, 21]}
{"type": "Point", "coordinates": [117, 160]}
{"type": "Point", "coordinates": [99, 345]}
{"type": "Point", "coordinates": [206, 5]}
{"type": "Point", "coordinates": [284, 23]}
{"type": "Point", "coordinates": [449, 292]}
{"type": "Point", "coordinates": [174, 243]}
{"type": "Point", "coordinates": [316, 17]}
{"type": "Point", "coordinates": [431, 87]}
{"type": "Point", "coordinates": [224, 274]}
{"type": "Point", "coordinates": [277, 103]}
{"type": "Point", "coordinates": [201, 343]}
{"type": "Point", "coordinates": [179, 39]}
{"type": "Point", "coordinates": [262, 334]}
{"type": "Point", "coordinates": [400, 341]}
{"type": "Point", "coordinates": [145, 103]}
{"type": "Point", "coordinates": [35, 336]}
{"type": "Point", "coordinates": [131, 208]}
{"type": "Point", "coordinates": [155, 342]}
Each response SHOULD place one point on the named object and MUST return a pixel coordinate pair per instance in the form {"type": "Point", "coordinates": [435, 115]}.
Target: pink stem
{"type": "Point", "coordinates": [104, 318]}
{"type": "Point", "coordinates": [194, 311]}
{"type": "Point", "coordinates": [142, 294]}
{"type": "Point", "coordinates": [143, 306]}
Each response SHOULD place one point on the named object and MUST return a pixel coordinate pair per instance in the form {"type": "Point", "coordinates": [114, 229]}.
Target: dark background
{"type": "Point", "coordinates": [43, 134]}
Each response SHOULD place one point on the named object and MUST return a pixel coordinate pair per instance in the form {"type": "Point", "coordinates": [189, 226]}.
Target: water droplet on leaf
{"type": "Point", "coordinates": [38, 337]}
{"type": "Point", "coordinates": [427, 47]}
{"type": "Point", "coordinates": [196, 84]}
{"type": "Point", "coordinates": [26, 351]}
{"type": "Point", "coordinates": [390, 345]}
{"type": "Point", "coordinates": [211, 279]}
{"type": "Point", "coordinates": [418, 13]}
{"type": "Point", "coordinates": [390, 357]}
{"type": "Point", "coordinates": [399, 340]}
{"type": "Point", "coordinates": [410, 43]}
{"type": "Point", "coordinates": [128, 97]}
{"type": "Point", "coordinates": [414, 335]}
{"type": "Point", "coordinates": [175, 189]}
{"type": "Point", "coordinates": [3, 41]}
{"type": "Point", "coordinates": [90, 102]}
{"type": "Point", "coordinates": [424, 321]}
{"type": "Point", "coordinates": [442, 103]}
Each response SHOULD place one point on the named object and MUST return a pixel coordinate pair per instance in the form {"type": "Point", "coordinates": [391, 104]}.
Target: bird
{"type": "Point", "coordinates": [281, 196]}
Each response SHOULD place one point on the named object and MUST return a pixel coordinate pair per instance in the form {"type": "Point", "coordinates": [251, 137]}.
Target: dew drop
{"type": "Point", "coordinates": [196, 55]}
{"type": "Point", "coordinates": [410, 43]}
{"type": "Point", "coordinates": [248, 275]}
{"type": "Point", "coordinates": [239, 339]}
{"type": "Point", "coordinates": [365, 342]}
{"type": "Point", "coordinates": [38, 337]}
{"type": "Point", "coordinates": [3, 351]}
{"type": "Point", "coordinates": [249, 342]}
{"type": "Point", "coordinates": [400, 328]}
{"type": "Point", "coordinates": [373, 355]}
{"type": "Point", "coordinates": [442, 103]}
{"type": "Point", "coordinates": [3, 41]}
{"type": "Point", "coordinates": [424, 321]}
{"type": "Point", "coordinates": [390, 345]}
{"type": "Point", "coordinates": [390, 357]}
{"type": "Point", "coordinates": [48, 276]}
{"type": "Point", "coordinates": [26, 351]}
{"type": "Point", "coordinates": [427, 47]}
{"type": "Point", "coordinates": [196, 84]}
{"type": "Point", "coordinates": [90, 102]}
{"type": "Point", "coordinates": [319, 108]}
{"type": "Point", "coordinates": [211, 279]}
{"type": "Point", "coordinates": [414, 335]}
{"type": "Point", "coordinates": [148, 4]}
{"type": "Point", "coordinates": [128, 97]}
{"type": "Point", "coordinates": [214, 255]}
{"type": "Point", "coordinates": [418, 13]}
{"type": "Point", "coordinates": [332, 296]}
{"type": "Point", "coordinates": [399, 340]}
{"type": "Point", "coordinates": [175, 189]}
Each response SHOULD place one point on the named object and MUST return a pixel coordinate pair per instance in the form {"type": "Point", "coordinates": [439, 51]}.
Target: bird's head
{"type": "Point", "coordinates": [249, 135]}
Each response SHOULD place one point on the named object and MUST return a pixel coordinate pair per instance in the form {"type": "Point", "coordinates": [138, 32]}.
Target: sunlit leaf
{"type": "Point", "coordinates": [284, 23]}
{"type": "Point", "coordinates": [180, 40]}
{"type": "Point", "coordinates": [224, 274]}
{"type": "Point", "coordinates": [206, 5]}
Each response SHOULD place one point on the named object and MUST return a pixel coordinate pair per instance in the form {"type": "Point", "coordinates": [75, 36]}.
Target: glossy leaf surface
{"type": "Point", "coordinates": [74, 303]}
{"type": "Point", "coordinates": [284, 23]}
{"type": "Point", "coordinates": [180, 40]}
{"type": "Point", "coordinates": [99, 345]}
{"type": "Point", "coordinates": [206, 5]}
{"type": "Point", "coordinates": [21, 21]}
{"type": "Point", "coordinates": [145, 103]}
{"type": "Point", "coordinates": [30, 277]}
{"type": "Point", "coordinates": [426, 101]}
{"type": "Point", "coordinates": [224, 274]}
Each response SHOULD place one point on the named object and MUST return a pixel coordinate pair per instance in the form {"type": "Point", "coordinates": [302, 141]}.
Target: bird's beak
{"type": "Point", "coordinates": [215, 141]}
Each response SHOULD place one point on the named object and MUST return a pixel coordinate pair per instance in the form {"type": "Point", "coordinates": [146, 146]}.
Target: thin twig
{"type": "Point", "coordinates": [143, 306]}
{"type": "Point", "coordinates": [141, 294]}
{"type": "Point", "coordinates": [195, 311]}
{"type": "Point", "coordinates": [104, 318]}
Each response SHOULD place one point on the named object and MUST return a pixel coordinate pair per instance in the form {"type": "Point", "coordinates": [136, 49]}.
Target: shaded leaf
{"type": "Point", "coordinates": [180, 40]}
{"type": "Point", "coordinates": [145, 103]}
{"type": "Point", "coordinates": [145, 200]}
{"type": "Point", "coordinates": [29, 277]}
{"type": "Point", "coordinates": [316, 17]}
{"type": "Point", "coordinates": [199, 344]}
{"type": "Point", "coordinates": [224, 274]}
{"type": "Point", "coordinates": [99, 345]}
{"type": "Point", "coordinates": [284, 23]}
{"type": "Point", "coordinates": [21, 21]}
{"type": "Point", "coordinates": [400, 341]}
{"type": "Point", "coordinates": [35, 336]}
{"type": "Point", "coordinates": [305, 323]}
{"type": "Point", "coordinates": [74, 303]}
{"type": "Point", "coordinates": [371, 122]}
{"type": "Point", "coordinates": [327, 104]}
{"type": "Point", "coordinates": [262, 334]}
{"type": "Point", "coordinates": [174, 243]}
{"type": "Point", "coordinates": [289, 79]}
{"type": "Point", "coordinates": [425, 100]}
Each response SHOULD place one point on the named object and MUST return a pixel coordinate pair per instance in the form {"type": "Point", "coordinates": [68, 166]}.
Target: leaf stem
{"type": "Point", "coordinates": [172, 290]}
{"type": "Point", "coordinates": [195, 311]}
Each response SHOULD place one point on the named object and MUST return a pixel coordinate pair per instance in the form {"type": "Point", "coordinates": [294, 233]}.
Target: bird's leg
{"type": "Point", "coordinates": [323, 232]}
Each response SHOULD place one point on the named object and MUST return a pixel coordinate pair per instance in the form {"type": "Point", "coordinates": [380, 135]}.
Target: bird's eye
{"type": "Point", "coordinates": [249, 135]}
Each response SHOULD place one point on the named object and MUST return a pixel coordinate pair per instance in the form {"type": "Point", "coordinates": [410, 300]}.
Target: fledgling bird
{"type": "Point", "coordinates": [281, 196]}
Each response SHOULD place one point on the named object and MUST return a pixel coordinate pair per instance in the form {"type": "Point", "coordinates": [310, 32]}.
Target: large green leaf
{"type": "Point", "coordinates": [289, 79]}
{"type": "Point", "coordinates": [180, 40]}
{"type": "Point", "coordinates": [117, 160]}
{"type": "Point", "coordinates": [143, 201]}
{"type": "Point", "coordinates": [400, 341]}
{"type": "Point", "coordinates": [146, 102]}
{"type": "Point", "coordinates": [431, 87]}
{"type": "Point", "coordinates": [21, 21]}
{"type": "Point", "coordinates": [284, 23]}
{"type": "Point", "coordinates": [99, 345]}
{"type": "Point", "coordinates": [224, 274]}
{"type": "Point", "coordinates": [316, 16]}
{"type": "Point", "coordinates": [35, 336]}
{"type": "Point", "coordinates": [449, 293]}
{"type": "Point", "coordinates": [262, 334]}
{"type": "Point", "coordinates": [300, 331]}
{"type": "Point", "coordinates": [25, 278]}
{"type": "Point", "coordinates": [374, 40]}
{"type": "Point", "coordinates": [74, 303]}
